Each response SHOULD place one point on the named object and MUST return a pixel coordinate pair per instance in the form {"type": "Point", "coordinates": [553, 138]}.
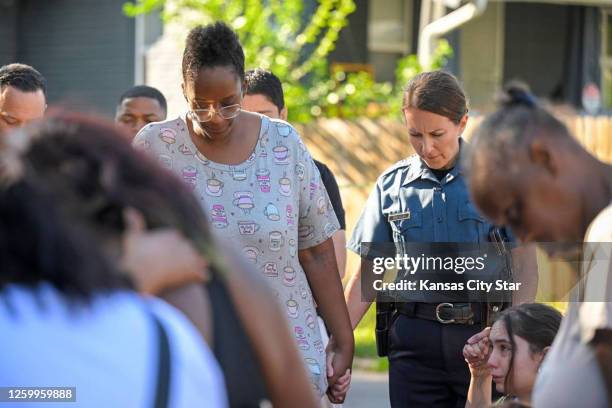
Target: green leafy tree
{"type": "Point", "coordinates": [278, 35]}
{"type": "Point", "coordinates": [294, 42]}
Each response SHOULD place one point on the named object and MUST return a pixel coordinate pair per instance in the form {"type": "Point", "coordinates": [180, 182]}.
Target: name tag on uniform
{"type": "Point", "coordinates": [399, 216]}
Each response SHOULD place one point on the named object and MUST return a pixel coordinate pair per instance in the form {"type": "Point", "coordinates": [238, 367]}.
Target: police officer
{"type": "Point", "coordinates": [424, 199]}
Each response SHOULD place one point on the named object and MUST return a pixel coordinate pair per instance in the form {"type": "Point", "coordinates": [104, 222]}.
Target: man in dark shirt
{"type": "Point", "coordinates": [264, 95]}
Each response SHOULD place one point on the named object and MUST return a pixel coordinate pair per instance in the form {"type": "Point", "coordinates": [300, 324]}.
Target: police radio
{"type": "Point", "coordinates": [499, 237]}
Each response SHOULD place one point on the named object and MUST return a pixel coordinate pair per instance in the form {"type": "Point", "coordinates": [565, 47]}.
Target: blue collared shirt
{"type": "Point", "coordinates": [409, 204]}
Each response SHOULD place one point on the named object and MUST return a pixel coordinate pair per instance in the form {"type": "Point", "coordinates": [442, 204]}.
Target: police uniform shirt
{"type": "Point", "coordinates": [408, 203]}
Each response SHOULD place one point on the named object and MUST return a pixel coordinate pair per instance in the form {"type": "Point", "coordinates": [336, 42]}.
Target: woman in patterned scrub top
{"type": "Point", "coordinates": [263, 194]}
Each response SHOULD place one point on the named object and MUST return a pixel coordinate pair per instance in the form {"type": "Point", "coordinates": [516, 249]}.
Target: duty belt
{"type": "Point", "coordinates": [445, 313]}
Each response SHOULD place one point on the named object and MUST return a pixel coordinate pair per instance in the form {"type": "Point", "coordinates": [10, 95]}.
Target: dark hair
{"type": "Point", "coordinates": [97, 175]}
{"type": "Point", "coordinates": [437, 92]}
{"type": "Point", "coordinates": [144, 91]}
{"type": "Point", "coordinates": [38, 244]}
{"type": "Point", "coordinates": [537, 323]}
{"type": "Point", "coordinates": [517, 121]}
{"type": "Point", "coordinates": [23, 77]}
{"type": "Point", "coordinates": [262, 82]}
{"type": "Point", "coordinates": [105, 175]}
{"type": "Point", "coordinates": [214, 45]}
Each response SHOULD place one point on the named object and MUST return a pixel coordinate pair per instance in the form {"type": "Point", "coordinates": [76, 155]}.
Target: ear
{"type": "Point", "coordinates": [244, 88]}
{"type": "Point", "coordinates": [404, 121]}
{"type": "Point", "coordinates": [541, 356]}
{"type": "Point", "coordinates": [463, 123]}
{"type": "Point", "coordinates": [541, 155]}
{"type": "Point", "coordinates": [283, 113]}
{"type": "Point", "coordinates": [184, 91]}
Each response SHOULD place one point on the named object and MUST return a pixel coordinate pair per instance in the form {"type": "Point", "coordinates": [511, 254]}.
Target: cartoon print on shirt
{"type": "Point", "coordinates": [292, 308]}
{"type": "Point", "coordinates": [271, 212]}
{"type": "Point", "coordinates": [239, 174]}
{"type": "Point", "coordinates": [263, 178]}
{"type": "Point", "coordinates": [313, 189]}
{"type": "Point", "coordinates": [281, 154]}
{"type": "Point", "coordinates": [283, 129]}
{"type": "Point", "coordinates": [290, 219]}
{"type": "Point", "coordinates": [248, 227]}
{"type": "Point", "coordinates": [183, 149]}
{"type": "Point", "coordinates": [168, 136]}
{"type": "Point", "coordinates": [284, 186]}
{"type": "Point", "coordinates": [190, 176]}
{"type": "Point", "coordinates": [303, 292]}
{"type": "Point", "coordinates": [299, 171]}
{"type": "Point", "coordinates": [244, 201]}
{"type": "Point", "coordinates": [314, 369]}
{"type": "Point", "coordinates": [277, 240]}
{"type": "Point", "coordinates": [219, 216]}
{"type": "Point", "coordinates": [329, 229]}
{"type": "Point", "coordinates": [270, 269]}
{"type": "Point", "coordinates": [302, 146]}
{"type": "Point", "coordinates": [301, 339]}
{"type": "Point", "coordinates": [311, 322]}
{"type": "Point", "coordinates": [214, 186]}
{"type": "Point", "coordinates": [289, 275]}
{"type": "Point", "coordinates": [292, 248]}
{"type": "Point", "coordinates": [306, 232]}
{"type": "Point", "coordinates": [318, 345]}
{"type": "Point", "coordinates": [321, 205]}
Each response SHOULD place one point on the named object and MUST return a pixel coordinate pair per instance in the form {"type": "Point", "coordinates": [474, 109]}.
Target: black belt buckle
{"type": "Point", "coordinates": [439, 309]}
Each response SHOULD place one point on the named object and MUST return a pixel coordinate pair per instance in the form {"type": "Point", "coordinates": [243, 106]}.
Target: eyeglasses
{"type": "Point", "coordinates": [226, 112]}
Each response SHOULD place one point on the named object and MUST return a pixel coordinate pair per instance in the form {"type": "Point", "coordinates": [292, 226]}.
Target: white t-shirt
{"type": "Point", "coordinates": [108, 350]}
{"type": "Point", "coordinates": [570, 375]}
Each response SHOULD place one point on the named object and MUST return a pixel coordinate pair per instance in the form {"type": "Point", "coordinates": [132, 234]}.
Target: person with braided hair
{"type": "Point", "coordinates": [554, 191]}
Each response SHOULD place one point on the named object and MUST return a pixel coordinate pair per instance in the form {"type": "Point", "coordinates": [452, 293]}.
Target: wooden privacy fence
{"type": "Point", "coordinates": [359, 151]}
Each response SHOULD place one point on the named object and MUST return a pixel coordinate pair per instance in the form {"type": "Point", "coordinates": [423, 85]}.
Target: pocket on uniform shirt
{"type": "Point", "coordinates": [472, 223]}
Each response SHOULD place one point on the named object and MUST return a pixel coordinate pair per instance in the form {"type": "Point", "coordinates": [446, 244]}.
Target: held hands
{"type": "Point", "coordinates": [339, 363]}
{"type": "Point", "coordinates": [476, 353]}
{"type": "Point", "coordinates": [160, 259]}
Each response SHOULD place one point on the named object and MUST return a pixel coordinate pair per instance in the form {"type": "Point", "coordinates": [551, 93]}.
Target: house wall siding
{"type": "Point", "coordinates": [535, 45]}
{"type": "Point", "coordinates": [8, 32]}
{"type": "Point", "coordinates": [85, 49]}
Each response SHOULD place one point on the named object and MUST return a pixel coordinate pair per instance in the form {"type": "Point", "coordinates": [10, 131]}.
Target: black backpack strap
{"type": "Point", "coordinates": [162, 389]}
